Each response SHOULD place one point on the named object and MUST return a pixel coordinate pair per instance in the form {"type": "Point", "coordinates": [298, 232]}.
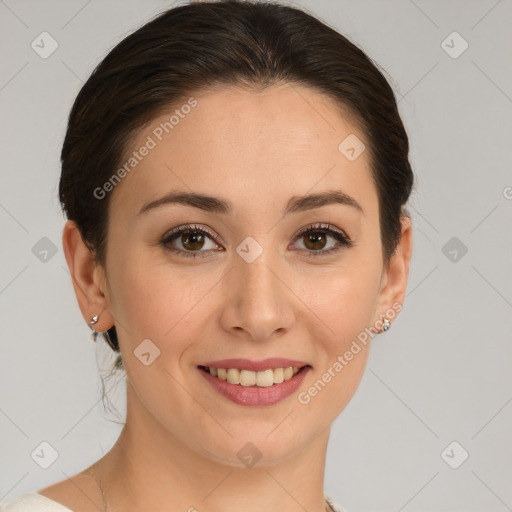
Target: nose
{"type": "Point", "coordinates": [258, 301]}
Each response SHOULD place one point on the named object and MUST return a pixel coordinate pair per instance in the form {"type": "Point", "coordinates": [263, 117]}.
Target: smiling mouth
{"type": "Point", "coordinates": [248, 378]}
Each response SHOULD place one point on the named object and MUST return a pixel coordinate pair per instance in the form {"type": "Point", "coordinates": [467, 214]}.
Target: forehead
{"type": "Point", "coordinates": [251, 146]}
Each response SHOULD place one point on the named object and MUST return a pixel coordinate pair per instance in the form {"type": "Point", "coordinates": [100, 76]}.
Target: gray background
{"type": "Point", "coordinates": [441, 374]}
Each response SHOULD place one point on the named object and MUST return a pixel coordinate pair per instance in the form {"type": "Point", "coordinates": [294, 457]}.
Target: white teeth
{"type": "Point", "coordinates": [247, 378]}
{"type": "Point", "coordinates": [278, 375]}
{"type": "Point", "coordinates": [233, 376]}
{"type": "Point", "coordinates": [262, 379]}
{"type": "Point", "coordinates": [265, 378]}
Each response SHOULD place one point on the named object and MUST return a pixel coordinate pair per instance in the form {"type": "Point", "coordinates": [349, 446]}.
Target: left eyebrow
{"type": "Point", "coordinates": [312, 201]}
{"type": "Point", "coordinates": [217, 205]}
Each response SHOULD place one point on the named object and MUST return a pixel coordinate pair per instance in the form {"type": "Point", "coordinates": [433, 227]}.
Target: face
{"type": "Point", "coordinates": [259, 272]}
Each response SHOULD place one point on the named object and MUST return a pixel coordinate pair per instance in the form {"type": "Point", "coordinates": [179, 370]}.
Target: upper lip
{"type": "Point", "coordinates": [255, 366]}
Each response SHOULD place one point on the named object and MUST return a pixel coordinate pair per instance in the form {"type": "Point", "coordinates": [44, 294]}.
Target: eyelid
{"type": "Point", "coordinates": [323, 227]}
{"type": "Point", "coordinates": [192, 227]}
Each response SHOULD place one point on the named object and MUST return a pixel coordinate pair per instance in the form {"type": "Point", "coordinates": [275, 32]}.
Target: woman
{"type": "Point", "coordinates": [234, 177]}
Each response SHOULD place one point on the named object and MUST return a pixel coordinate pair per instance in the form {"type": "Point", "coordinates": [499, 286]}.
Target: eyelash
{"type": "Point", "coordinates": [344, 240]}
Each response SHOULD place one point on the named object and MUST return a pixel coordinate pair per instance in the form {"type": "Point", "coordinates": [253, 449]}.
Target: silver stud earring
{"type": "Point", "coordinates": [106, 335]}
{"type": "Point", "coordinates": [385, 324]}
{"type": "Point", "coordinates": [94, 320]}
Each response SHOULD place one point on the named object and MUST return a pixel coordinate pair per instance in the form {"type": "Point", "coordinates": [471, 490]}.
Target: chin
{"type": "Point", "coordinates": [257, 447]}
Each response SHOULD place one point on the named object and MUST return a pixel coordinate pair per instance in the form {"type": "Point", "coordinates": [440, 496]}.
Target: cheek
{"type": "Point", "coordinates": [343, 298]}
{"type": "Point", "coordinates": [346, 312]}
{"type": "Point", "coordinates": [342, 305]}
{"type": "Point", "coordinates": [158, 301]}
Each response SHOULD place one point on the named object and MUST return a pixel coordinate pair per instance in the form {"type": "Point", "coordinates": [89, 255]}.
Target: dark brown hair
{"type": "Point", "coordinates": [199, 45]}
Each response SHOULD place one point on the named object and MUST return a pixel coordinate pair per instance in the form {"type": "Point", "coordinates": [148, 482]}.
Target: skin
{"type": "Point", "coordinates": [178, 447]}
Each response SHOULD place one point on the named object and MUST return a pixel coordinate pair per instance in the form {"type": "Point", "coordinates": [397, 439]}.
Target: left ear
{"type": "Point", "coordinates": [395, 276]}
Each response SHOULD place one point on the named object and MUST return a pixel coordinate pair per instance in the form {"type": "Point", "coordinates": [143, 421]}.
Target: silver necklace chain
{"type": "Point", "coordinates": [97, 479]}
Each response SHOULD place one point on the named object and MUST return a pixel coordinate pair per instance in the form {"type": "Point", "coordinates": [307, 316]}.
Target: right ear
{"type": "Point", "coordinates": [88, 278]}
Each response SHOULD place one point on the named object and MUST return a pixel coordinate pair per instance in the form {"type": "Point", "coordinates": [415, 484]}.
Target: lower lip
{"type": "Point", "coordinates": [253, 395]}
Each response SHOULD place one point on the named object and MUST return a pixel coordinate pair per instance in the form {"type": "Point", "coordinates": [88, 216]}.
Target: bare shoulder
{"type": "Point", "coordinates": [80, 493]}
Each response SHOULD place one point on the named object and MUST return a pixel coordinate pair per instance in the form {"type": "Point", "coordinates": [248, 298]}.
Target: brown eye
{"type": "Point", "coordinates": [316, 239]}
{"type": "Point", "coordinates": [189, 241]}
{"type": "Point", "coordinates": [192, 240]}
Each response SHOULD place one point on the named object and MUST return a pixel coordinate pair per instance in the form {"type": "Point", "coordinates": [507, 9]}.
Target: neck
{"type": "Point", "coordinates": [156, 471]}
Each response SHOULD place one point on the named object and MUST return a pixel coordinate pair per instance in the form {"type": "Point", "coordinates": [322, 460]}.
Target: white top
{"type": "Point", "coordinates": [33, 502]}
